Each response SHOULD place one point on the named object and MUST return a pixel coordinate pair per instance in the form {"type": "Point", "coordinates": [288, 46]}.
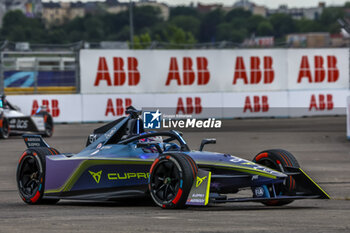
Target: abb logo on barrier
{"type": "Point", "coordinates": [320, 73]}
{"type": "Point", "coordinates": [322, 103]}
{"type": "Point", "coordinates": [256, 104]}
{"type": "Point", "coordinates": [265, 74]}
{"type": "Point", "coordinates": [191, 106]}
{"type": "Point", "coordinates": [188, 74]}
{"type": "Point", "coordinates": [54, 110]}
{"type": "Point", "coordinates": [119, 74]}
{"type": "Point", "coordinates": [119, 108]}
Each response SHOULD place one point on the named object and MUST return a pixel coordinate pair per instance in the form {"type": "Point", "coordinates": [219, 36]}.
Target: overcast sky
{"type": "Point", "coordinates": [268, 3]}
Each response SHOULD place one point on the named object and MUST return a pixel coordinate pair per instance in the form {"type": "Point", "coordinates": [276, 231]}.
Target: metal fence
{"type": "Point", "coordinates": [39, 69]}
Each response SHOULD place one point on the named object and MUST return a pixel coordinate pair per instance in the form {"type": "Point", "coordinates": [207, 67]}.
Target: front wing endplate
{"type": "Point", "coordinates": [199, 194]}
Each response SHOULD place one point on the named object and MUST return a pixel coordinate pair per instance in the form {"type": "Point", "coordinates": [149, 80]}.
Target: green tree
{"type": "Point", "coordinates": [187, 23]}
{"type": "Point", "coordinates": [331, 14]}
{"type": "Point", "coordinates": [17, 27]}
{"type": "Point", "coordinates": [329, 18]}
{"type": "Point", "coordinates": [265, 28]}
{"type": "Point", "coordinates": [183, 11]}
{"type": "Point", "coordinates": [17, 34]}
{"type": "Point", "coordinates": [253, 22]}
{"type": "Point", "coordinates": [282, 24]}
{"type": "Point", "coordinates": [94, 29]}
{"type": "Point", "coordinates": [114, 23]}
{"type": "Point", "coordinates": [142, 41]}
{"type": "Point", "coordinates": [175, 35]}
{"type": "Point", "coordinates": [307, 25]}
{"type": "Point", "coordinates": [237, 13]}
{"type": "Point", "coordinates": [225, 31]}
{"type": "Point", "coordinates": [123, 34]}
{"type": "Point", "coordinates": [57, 36]}
{"type": "Point", "coordinates": [209, 24]}
{"type": "Point", "coordinates": [146, 16]}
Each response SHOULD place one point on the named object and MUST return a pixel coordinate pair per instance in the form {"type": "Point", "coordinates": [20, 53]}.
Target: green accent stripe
{"type": "Point", "coordinates": [94, 162]}
{"type": "Point", "coordinates": [315, 183]}
{"type": "Point", "coordinates": [208, 189]}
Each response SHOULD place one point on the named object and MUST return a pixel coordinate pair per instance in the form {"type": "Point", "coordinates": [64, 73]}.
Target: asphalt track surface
{"type": "Point", "coordinates": [319, 144]}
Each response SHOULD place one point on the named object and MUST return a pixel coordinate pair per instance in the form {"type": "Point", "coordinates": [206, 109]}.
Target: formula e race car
{"type": "Point", "coordinates": [123, 161]}
{"type": "Point", "coordinates": [13, 122]}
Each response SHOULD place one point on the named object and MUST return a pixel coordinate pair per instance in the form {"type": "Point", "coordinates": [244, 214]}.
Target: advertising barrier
{"type": "Point", "coordinates": [108, 107]}
{"type": "Point", "coordinates": [111, 107]}
{"type": "Point", "coordinates": [63, 108]}
{"type": "Point", "coordinates": [255, 104]}
{"type": "Point", "coordinates": [315, 103]}
{"type": "Point", "coordinates": [203, 71]}
{"type": "Point", "coordinates": [202, 84]}
{"type": "Point", "coordinates": [182, 71]}
{"type": "Point", "coordinates": [313, 69]}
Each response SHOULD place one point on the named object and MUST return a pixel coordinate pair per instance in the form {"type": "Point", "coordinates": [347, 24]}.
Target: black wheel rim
{"type": "Point", "coordinates": [29, 177]}
{"type": "Point", "coordinates": [270, 164]}
{"type": "Point", "coordinates": [279, 188]}
{"type": "Point", "coordinates": [165, 181]}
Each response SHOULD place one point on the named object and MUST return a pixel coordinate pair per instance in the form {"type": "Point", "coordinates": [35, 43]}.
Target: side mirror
{"type": "Point", "coordinates": [147, 144]}
{"type": "Point", "coordinates": [207, 141]}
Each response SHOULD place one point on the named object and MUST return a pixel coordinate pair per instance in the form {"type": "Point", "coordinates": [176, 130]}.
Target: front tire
{"type": "Point", "coordinates": [31, 175]}
{"type": "Point", "coordinates": [171, 179]}
{"type": "Point", "coordinates": [279, 160]}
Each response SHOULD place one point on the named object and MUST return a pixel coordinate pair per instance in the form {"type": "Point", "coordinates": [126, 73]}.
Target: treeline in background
{"type": "Point", "coordinates": [185, 26]}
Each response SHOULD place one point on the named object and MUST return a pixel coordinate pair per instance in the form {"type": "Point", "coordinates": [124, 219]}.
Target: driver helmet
{"type": "Point", "coordinates": [151, 149]}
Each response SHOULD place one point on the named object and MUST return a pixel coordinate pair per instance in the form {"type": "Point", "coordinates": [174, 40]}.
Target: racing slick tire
{"type": "Point", "coordinates": [4, 128]}
{"type": "Point", "coordinates": [193, 164]}
{"type": "Point", "coordinates": [48, 125]}
{"type": "Point", "coordinates": [31, 175]}
{"type": "Point", "coordinates": [171, 179]}
{"type": "Point", "coordinates": [279, 160]}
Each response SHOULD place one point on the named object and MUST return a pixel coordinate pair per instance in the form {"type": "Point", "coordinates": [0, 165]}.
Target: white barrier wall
{"type": "Point", "coordinates": [63, 108]}
{"type": "Point", "coordinates": [255, 104]}
{"type": "Point", "coordinates": [108, 107]}
{"type": "Point", "coordinates": [314, 69]}
{"type": "Point", "coordinates": [200, 71]}
{"type": "Point", "coordinates": [184, 71]}
{"type": "Point", "coordinates": [314, 103]}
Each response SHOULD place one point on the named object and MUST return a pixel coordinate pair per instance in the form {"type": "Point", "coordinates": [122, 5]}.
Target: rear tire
{"type": "Point", "coordinates": [5, 129]}
{"type": "Point", "coordinates": [171, 179]}
{"type": "Point", "coordinates": [279, 160]}
{"type": "Point", "coordinates": [31, 175]}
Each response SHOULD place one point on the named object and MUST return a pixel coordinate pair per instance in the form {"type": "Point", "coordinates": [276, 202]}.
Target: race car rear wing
{"type": "Point", "coordinates": [32, 141]}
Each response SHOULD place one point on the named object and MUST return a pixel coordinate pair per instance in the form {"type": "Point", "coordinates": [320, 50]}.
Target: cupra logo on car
{"type": "Point", "coordinates": [200, 180]}
{"type": "Point", "coordinates": [96, 176]}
